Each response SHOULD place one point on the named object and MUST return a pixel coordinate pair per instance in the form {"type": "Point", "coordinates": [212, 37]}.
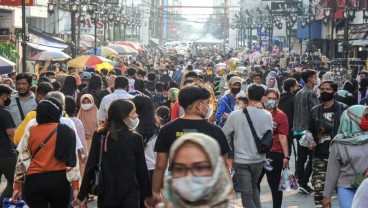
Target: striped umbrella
{"type": "Point", "coordinates": [6, 66]}
{"type": "Point", "coordinates": [130, 44]}
{"type": "Point", "coordinates": [123, 49]}
{"type": "Point", "coordinates": [103, 51]}
{"type": "Point", "coordinates": [85, 60]}
{"type": "Point", "coordinates": [50, 55]}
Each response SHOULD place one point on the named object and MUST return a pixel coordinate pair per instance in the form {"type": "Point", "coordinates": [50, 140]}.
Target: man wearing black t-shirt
{"type": "Point", "coordinates": [8, 155]}
{"type": "Point", "coordinates": [324, 123]}
{"type": "Point", "coordinates": [195, 101]}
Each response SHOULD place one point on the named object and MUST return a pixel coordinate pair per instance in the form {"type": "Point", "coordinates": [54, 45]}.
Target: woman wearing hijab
{"type": "Point", "coordinates": [124, 169]}
{"type": "Point", "coordinates": [48, 159]}
{"type": "Point", "coordinates": [199, 177]}
{"type": "Point", "coordinates": [88, 115]}
{"type": "Point", "coordinates": [271, 80]}
{"type": "Point", "coordinates": [348, 156]}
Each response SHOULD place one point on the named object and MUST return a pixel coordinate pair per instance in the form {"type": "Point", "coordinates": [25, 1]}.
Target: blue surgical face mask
{"type": "Point", "coordinates": [270, 104]}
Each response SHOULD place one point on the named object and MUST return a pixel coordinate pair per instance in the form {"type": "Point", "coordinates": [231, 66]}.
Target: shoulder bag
{"type": "Point", "coordinates": [96, 185]}
{"type": "Point", "coordinates": [20, 109]}
{"type": "Point", "coordinates": [263, 145]}
{"type": "Point", "coordinates": [359, 178]}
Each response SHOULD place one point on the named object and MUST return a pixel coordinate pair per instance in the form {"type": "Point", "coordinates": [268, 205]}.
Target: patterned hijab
{"type": "Point", "coordinates": [221, 189]}
{"type": "Point", "coordinates": [349, 131]}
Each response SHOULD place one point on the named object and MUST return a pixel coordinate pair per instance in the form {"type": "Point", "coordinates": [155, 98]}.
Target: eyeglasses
{"type": "Point", "coordinates": [198, 170]}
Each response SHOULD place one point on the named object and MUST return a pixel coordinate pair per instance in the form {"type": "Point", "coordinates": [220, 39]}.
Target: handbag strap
{"type": "Point", "coordinates": [44, 142]}
{"type": "Point", "coordinates": [20, 108]}
{"type": "Point", "coordinates": [349, 159]}
{"type": "Point", "coordinates": [101, 151]}
{"type": "Point", "coordinates": [245, 110]}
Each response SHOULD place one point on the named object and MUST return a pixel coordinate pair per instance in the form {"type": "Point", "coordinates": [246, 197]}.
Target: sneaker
{"type": "Point", "coordinates": [267, 166]}
{"type": "Point", "coordinates": [306, 189]}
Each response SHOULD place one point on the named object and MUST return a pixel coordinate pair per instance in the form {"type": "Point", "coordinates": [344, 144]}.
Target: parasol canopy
{"type": "Point", "coordinates": [6, 66]}
{"type": "Point", "coordinates": [50, 55]}
{"type": "Point", "coordinates": [103, 51]}
{"type": "Point", "coordinates": [123, 49]}
{"type": "Point", "coordinates": [130, 44]}
{"type": "Point", "coordinates": [86, 60]}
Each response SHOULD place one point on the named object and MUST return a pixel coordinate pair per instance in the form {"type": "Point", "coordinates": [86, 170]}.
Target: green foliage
{"type": "Point", "coordinates": [8, 51]}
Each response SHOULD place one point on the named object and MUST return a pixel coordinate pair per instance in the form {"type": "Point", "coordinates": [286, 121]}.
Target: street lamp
{"type": "Point", "coordinates": [365, 15]}
{"type": "Point", "coordinates": [91, 10]}
{"type": "Point", "coordinates": [73, 8]}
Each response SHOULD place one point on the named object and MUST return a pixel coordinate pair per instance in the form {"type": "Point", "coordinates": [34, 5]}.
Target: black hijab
{"type": "Point", "coordinates": [49, 111]}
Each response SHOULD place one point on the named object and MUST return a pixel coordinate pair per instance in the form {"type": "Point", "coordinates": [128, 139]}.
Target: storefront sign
{"type": "Point", "coordinates": [16, 2]}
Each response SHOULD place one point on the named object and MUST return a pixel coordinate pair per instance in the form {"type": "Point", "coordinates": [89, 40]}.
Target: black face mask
{"type": "Point", "coordinates": [235, 90]}
{"type": "Point", "coordinates": [7, 102]}
{"type": "Point", "coordinates": [325, 96]}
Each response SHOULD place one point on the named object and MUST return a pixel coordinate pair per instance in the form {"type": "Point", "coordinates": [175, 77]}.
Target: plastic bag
{"type": "Point", "coordinates": [8, 203]}
{"type": "Point", "coordinates": [288, 181]}
{"type": "Point", "coordinates": [307, 140]}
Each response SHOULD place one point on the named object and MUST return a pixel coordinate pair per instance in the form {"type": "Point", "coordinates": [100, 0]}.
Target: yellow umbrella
{"type": "Point", "coordinates": [85, 60]}
{"type": "Point", "coordinates": [103, 65]}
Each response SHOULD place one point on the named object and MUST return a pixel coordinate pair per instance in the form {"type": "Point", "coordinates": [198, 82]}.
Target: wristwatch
{"type": "Point", "coordinates": [288, 158]}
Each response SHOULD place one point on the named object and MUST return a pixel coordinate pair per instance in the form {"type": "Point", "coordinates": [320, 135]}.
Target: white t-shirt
{"type": "Point", "coordinates": [131, 85]}
{"type": "Point", "coordinates": [66, 121]}
{"type": "Point", "coordinates": [150, 154]}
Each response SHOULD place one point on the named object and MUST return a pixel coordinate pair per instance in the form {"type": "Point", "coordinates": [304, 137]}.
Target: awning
{"type": "Point", "coordinates": [359, 42]}
{"type": "Point", "coordinates": [356, 32]}
{"type": "Point", "coordinates": [44, 35]}
{"type": "Point", "coordinates": [43, 47]}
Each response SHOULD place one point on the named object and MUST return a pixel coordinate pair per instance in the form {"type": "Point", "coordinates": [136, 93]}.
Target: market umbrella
{"type": "Point", "coordinates": [123, 49]}
{"type": "Point", "coordinates": [85, 60]}
{"type": "Point", "coordinates": [103, 51]}
{"type": "Point", "coordinates": [88, 38]}
{"type": "Point", "coordinates": [103, 65]}
{"type": "Point", "coordinates": [50, 55]}
{"type": "Point", "coordinates": [6, 66]}
{"type": "Point", "coordinates": [130, 44]}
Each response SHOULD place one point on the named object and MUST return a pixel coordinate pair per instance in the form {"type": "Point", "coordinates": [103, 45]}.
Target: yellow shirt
{"type": "Point", "coordinates": [20, 130]}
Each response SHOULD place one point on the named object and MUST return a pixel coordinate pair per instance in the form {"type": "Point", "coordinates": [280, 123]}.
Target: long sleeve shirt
{"type": "Point", "coordinates": [339, 169]}
{"type": "Point", "coordinates": [226, 105]}
{"type": "Point", "coordinates": [45, 160]}
{"type": "Point", "coordinates": [304, 101]}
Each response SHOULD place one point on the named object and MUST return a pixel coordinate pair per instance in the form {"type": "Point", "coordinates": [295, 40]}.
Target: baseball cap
{"type": "Point", "coordinates": [235, 79]}
{"type": "Point", "coordinates": [86, 75]}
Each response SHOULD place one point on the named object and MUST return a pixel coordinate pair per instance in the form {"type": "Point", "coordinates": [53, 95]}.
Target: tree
{"type": "Point", "coordinates": [8, 51]}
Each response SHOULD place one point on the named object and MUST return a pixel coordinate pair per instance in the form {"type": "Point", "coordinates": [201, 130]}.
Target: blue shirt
{"type": "Point", "coordinates": [226, 105]}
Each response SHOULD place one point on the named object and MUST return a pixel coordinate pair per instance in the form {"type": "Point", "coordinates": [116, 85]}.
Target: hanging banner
{"type": "Point", "coordinates": [15, 2]}
{"type": "Point", "coordinates": [88, 27]}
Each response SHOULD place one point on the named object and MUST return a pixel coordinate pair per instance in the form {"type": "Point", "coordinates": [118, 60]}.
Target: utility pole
{"type": "Point", "coordinates": [226, 25]}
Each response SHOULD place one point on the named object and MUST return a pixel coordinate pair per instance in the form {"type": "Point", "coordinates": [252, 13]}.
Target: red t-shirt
{"type": "Point", "coordinates": [175, 111]}
{"type": "Point", "coordinates": [280, 126]}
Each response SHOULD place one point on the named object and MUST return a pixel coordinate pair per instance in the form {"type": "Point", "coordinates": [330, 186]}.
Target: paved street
{"type": "Point", "coordinates": [291, 199]}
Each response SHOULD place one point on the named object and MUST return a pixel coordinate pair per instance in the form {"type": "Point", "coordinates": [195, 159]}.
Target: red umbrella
{"type": "Point", "coordinates": [130, 44]}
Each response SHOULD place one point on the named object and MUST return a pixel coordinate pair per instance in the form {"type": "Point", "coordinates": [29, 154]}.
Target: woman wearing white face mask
{"type": "Point", "coordinates": [88, 115]}
{"type": "Point", "coordinates": [199, 177]}
{"type": "Point", "coordinates": [124, 169]}
{"type": "Point", "coordinates": [279, 153]}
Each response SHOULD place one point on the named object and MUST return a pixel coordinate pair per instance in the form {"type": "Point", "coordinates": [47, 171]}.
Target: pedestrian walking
{"type": "Point", "coordinates": [324, 123]}
{"type": "Point", "coordinates": [47, 160]}
{"type": "Point", "coordinates": [8, 154]}
{"type": "Point", "coordinates": [348, 156]}
{"type": "Point", "coordinates": [199, 176]}
{"type": "Point", "coordinates": [248, 163]}
{"type": "Point", "coordinates": [124, 169]}
{"type": "Point", "coordinates": [279, 153]}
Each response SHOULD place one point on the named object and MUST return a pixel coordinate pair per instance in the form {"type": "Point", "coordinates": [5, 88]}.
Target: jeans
{"type": "Point", "coordinates": [303, 172]}
{"type": "Point", "coordinates": [7, 168]}
{"type": "Point", "coordinates": [346, 196]}
{"type": "Point", "coordinates": [273, 177]}
{"type": "Point", "coordinates": [248, 176]}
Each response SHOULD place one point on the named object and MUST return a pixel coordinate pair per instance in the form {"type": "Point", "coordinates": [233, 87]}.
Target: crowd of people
{"type": "Point", "coordinates": [172, 130]}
